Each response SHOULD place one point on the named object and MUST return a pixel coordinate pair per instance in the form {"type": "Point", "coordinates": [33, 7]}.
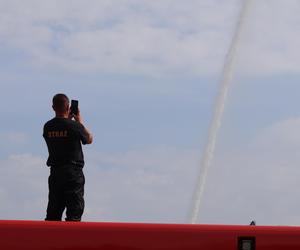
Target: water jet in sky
{"type": "Point", "coordinates": [227, 76]}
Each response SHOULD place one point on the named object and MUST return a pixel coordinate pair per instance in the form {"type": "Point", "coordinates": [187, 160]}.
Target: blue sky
{"type": "Point", "coordinates": [146, 75]}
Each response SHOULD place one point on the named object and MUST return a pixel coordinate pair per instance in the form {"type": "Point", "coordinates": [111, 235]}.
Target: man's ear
{"type": "Point", "coordinates": [53, 108]}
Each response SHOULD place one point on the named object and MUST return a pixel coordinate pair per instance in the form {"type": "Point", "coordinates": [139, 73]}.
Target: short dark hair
{"type": "Point", "coordinates": [60, 102]}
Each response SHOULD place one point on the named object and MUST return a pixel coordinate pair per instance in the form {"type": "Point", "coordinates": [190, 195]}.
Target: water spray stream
{"type": "Point", "coordinates": [227, 76]}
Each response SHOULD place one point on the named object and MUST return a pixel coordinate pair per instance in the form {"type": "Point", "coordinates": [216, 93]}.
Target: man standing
{"type": "Point", "coordinates": [64, 137]}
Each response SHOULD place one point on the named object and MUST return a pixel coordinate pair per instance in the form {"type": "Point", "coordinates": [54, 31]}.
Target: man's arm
{"type": "Point", "coordinates": [90, 136]}
{"type": "Point", "coordinates": [79, 119]}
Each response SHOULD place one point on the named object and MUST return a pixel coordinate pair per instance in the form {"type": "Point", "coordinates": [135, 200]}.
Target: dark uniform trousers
{"type": "Point", "coordinates": [66, 190]}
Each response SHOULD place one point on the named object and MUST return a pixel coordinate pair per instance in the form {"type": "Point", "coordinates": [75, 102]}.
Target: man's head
{"type": "Point", "coordinates": [60, 104]}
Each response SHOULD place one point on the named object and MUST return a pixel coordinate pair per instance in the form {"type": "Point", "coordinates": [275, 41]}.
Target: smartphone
{"type": "Point", "coordinates": [74, 107]}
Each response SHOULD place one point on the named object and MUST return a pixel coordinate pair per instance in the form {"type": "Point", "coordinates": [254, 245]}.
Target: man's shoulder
{"type": "Point", "coordinates": [62, 122]}
{"type": "Point", "coordinates": [73, 123]}
{"type": "Point", "coordinates": [49, 123]}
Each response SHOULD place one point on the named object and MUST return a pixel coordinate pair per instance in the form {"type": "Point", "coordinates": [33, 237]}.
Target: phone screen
{"type": "Point", "coordinates": [74, 107]}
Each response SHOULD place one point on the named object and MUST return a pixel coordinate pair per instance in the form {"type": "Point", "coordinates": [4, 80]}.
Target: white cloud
{"type": "Point", "coordinates": [259, 180]}
{"type": "Point", "coordinates": [23, 187]}
{"type": "Point", "coordinates": [142, 185]}
{"type": "Point", "coordinates": [151, 37]}
{"type": "Point", "coordinates": [134, 37]}
{"type": "Point", "coordinates": [271, 41]}
{"type": "Point", "coordinates": [281, 136]}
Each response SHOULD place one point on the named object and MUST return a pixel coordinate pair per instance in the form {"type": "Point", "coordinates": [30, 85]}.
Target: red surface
{"type": "Point", "coordinates": [135, 236]}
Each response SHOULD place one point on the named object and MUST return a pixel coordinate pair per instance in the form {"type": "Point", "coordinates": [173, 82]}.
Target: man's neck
{"type": "Point", "coordinates": [61, 115]}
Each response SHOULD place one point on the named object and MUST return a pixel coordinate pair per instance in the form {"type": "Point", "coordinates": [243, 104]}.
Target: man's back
{"type": "Point", "coordinates": [64, 137]}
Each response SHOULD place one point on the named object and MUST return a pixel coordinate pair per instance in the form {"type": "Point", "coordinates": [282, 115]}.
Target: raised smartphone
{"type": "Point", "coordinates": [74, 107]}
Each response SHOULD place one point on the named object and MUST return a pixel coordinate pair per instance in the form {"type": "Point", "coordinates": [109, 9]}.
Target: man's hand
{"type": "Point", "coordinates": [78, 117]}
